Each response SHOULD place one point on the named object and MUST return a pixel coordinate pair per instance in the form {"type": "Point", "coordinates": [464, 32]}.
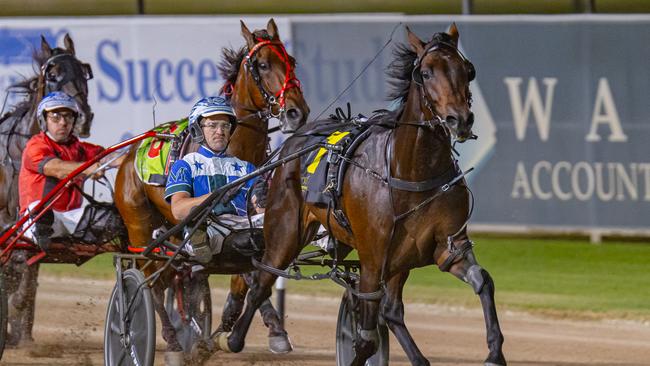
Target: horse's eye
{"type": "Point", "coordinates": [51, 76]}
{"type": "Point", "coordinates": [426, 75]}
{"type": "Point", "coordinates": [263, 66]}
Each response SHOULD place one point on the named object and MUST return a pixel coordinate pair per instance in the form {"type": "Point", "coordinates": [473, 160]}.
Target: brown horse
{"type": "Point", "coordinates": [260, 83]}
{"type": "Point", "coordinates": [411, 212]}
{"type": "Point", "coordinates": [59, 70]}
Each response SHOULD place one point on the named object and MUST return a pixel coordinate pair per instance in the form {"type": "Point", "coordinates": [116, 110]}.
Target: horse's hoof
{"type": "Point", "coordinates": [221, 341]}
{"type": "Point", "coordinates": [201, 352]}
{"type": "Point", "coordinates": [26, 342]}
{"type": "Point", "coordinates": [280, 344]}
{"type": "Point", "coordinates": [173, 358]}
{"type": "Point", "coordinates": [493, 364]}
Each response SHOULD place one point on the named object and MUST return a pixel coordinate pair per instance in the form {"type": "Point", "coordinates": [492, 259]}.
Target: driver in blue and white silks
{"type": "Point", "coordinates": [194, 177]}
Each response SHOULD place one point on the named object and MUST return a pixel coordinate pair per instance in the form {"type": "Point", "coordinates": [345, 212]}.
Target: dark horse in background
{"type": "Point", "coordinates": [58, 70]}
{"type": "Point", "coordinates": [407, 218]}
{"type": "Point", "coordinates": [260, 83]}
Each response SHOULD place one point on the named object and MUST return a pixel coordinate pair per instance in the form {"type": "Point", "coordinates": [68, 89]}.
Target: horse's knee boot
{"type": "Point", "coordinates": [477, 277]}
{"type": "Point", "coordinates": [370, 335]}
{"type": "Point", "coordinates": [368, 342]}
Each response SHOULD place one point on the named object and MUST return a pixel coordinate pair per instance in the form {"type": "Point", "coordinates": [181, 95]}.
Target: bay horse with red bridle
{"type": "Point", "coordinates": [261, 84]}
{"type": "Point", "coordinates": [410, 212]}
{"type": "Point", "coordinates": [58, 70]}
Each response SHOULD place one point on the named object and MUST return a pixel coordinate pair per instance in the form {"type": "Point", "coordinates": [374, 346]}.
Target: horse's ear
{"type": "Point", "coordinates": [453, 32]}
{"type": "Point", "coordinates": [272, 30]}
{"type": "Point", "coordinates": [45, 47]}
{"type": "Point", "coordinates": [248, 36]}
{"type": "Point", "coordinates": [416, 43]}
{"type": "Point", "coordinates": [69, 44]}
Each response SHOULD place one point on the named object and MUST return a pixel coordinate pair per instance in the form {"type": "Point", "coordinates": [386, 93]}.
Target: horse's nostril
{"type": "Point", "coordinates": [452, 121]}
{"type": "Point", "coordinates": [294, 114]}
{"type": "Point", "coordinates": [470, 119]}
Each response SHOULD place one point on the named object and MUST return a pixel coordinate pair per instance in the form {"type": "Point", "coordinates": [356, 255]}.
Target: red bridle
{"type": "Point", "coordinates": [290, 79]}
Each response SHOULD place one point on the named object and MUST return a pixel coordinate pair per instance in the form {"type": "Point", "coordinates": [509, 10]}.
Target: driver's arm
{"type": "Point", "coordinates": [182, 203]}
{"type": "Point", "coordinates": [60, 169]}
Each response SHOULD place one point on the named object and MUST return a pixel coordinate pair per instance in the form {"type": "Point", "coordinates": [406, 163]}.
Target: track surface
{"type": "Point", "coordinates": [70, 317]}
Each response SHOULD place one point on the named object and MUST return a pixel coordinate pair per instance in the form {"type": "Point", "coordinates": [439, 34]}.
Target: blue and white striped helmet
{"type": "Point", "coordinates": [206, 107]}
{"type": "Point", "coordinates": [55, 100]}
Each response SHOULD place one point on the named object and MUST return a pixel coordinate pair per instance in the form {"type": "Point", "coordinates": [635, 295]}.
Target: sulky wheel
{"type": "Point", "coordinates": [130, 330]}
{"type": "Point", "coordinates": [189, 306]}
{"type": "Point", "coordinates": [346, 331]}
{"type": "Point", "coordinates": [3, 314]}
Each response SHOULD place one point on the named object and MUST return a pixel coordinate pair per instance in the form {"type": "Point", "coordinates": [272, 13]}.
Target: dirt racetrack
{"type": "Point", "coordinates": [70, 318]}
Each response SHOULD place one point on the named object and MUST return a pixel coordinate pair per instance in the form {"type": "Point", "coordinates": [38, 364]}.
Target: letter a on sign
{"type": "Point", "coordinates": [605, 113]}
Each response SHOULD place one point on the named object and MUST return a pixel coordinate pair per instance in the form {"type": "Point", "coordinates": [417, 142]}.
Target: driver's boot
{"type": "Point", "coordinates": [43, 230]}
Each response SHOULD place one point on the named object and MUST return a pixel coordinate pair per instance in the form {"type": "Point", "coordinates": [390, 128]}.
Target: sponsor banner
{"type": "Point", "coordinates": [561, 102]}
{"type": "Point", "coordinates": [561, 108]}
{"type": "Point", "coordinates": [140, 64]}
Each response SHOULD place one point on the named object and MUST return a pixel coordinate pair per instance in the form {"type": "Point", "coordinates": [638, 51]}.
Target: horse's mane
{"type": "Point", "coordinates": [400, 72]}
{"type": "Point", "coordinates": [229, 65]}
{"type": "Point", "coordinates": [232, 59]}
{"type": "Point", "coordinates": [28, 86]}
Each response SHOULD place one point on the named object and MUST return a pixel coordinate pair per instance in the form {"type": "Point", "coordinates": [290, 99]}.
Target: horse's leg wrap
{"type": "Point", "coordinates": [369, 335]}
{"type": "Point", "coordinates": [477, 277]}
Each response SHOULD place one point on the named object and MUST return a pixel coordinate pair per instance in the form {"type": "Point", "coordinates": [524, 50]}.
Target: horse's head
{"type": "Point", "coordinates": [267, 72]}
{"type": "Point", "coordinates": [62, 71]}
{"type": "Point", "coordinates": [443, 74]}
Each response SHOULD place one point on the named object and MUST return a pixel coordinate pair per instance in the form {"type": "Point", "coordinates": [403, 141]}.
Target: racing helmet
{"type": "Point", "coordinates": [206, 107]}
{"type": "Point", "coordinates": [52, 101]}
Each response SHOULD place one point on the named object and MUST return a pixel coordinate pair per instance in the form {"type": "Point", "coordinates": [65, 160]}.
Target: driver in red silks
{"type": "Point", "coordinates": [49, 156]}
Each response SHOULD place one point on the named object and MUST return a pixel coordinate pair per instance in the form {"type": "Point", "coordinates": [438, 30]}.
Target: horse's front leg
{"type": "Point", "coordinates": [469, 271]}
{"type": "Point", "coordinates": [174, 350]}
{"type": "Point", "coordinates": [23, 299]}
{"type": "Point", "coordinates": [234, 303]}
{"type": "Point", "coordinates": [392, 310]}
{"type": "Point", "coordinates": [367, 340]}
{"type": "Point", "coordinates": [259, 291]}
{"type": "Point", "coordinates": [30, 283]}
{"type": "Point", "coordinates": [13, 276]}
{"type": "Point", "coordinates": [279, 341]}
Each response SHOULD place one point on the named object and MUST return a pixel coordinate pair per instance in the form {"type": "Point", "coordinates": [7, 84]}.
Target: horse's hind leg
{"type": "Point", "coordinates": [392, 310]}
{"type": "Point", "coordinates": [469, 271]}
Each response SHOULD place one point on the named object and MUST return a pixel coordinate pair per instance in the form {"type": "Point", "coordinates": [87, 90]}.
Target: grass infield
{"type": "Point", "coordinates": [560, 278]}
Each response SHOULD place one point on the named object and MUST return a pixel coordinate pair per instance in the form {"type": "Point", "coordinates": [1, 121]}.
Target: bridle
{"type": "Point", "coordinates": [290, 79]}
{"type": "Point", "coordinates": [72, 67]}
{"type": "Point", "coordinates": [416, 76]}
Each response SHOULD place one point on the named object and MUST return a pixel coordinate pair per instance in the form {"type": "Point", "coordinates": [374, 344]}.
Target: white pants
{"type": "Point", "coordinates": [217, 233]}
{"type": "Point", "coordinates": [65, 222]}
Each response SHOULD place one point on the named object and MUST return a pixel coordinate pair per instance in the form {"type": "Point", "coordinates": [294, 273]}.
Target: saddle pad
{"type": "Point", "coordinates": [152, 157]}
{"type": "Point", "coordinates": [316, 170]}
